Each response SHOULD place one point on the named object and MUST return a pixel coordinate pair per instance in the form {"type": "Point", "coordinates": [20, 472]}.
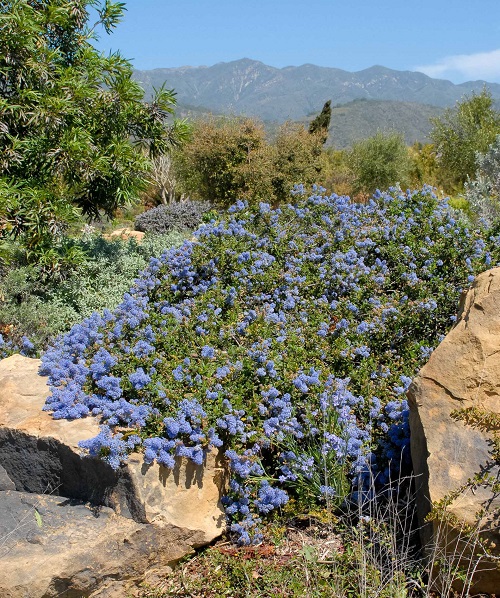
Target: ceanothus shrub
{"type": "Point", "coordinates": [25, 347]}
{"type": "Point", "coordinates": [284, 337]}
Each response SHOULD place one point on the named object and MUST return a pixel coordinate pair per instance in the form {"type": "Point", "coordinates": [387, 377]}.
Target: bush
{"type": "Point", "coordinates": [460, 133]}
{"type": "Point", "coordinates": [424, 167]}
{"type": "Point", "coordinates": [183, 215]}
{"type": "Point", "coordinates": [483, 193]}
{"type": "Point", "coordinates": [335, 172]}
{"type": "Point", "coordinates": [228, 160]}
{"type": "Point", "coordinates": [40, 308]}
{"type": "Point", "coordinates": [379, 162]}
{"type": "Point", "coordinates": [296, 159]}
{"type": "Point", "coordinates": [223, 159]}
{"type": "Point", "coordinates": [286, 337]}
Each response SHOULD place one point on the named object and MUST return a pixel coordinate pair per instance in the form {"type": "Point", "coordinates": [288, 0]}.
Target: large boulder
{"type": "Point", "coordinates": [145, 514]}
{"type": "Point", "coordinates": [463, 372]}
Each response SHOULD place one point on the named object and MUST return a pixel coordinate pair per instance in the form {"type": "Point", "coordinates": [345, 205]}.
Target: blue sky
{"type": "Point", "coordinates": [449, 39]}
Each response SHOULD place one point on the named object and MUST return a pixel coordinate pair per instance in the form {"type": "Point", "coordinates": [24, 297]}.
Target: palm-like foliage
{"type": "Point", "coordinates": [71, 119]}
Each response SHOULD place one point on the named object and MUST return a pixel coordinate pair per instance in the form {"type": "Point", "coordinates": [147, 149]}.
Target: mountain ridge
{"type": "Point", "coordinates": [253, 88]}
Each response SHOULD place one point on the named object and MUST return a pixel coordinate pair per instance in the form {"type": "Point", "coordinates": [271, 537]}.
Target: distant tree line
{"type": "Point", "coordinates": [227, 159]}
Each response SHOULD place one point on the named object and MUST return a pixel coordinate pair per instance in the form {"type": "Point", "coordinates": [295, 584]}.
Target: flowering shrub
{"type": "Point", "coordinates": [285, 337]}
{"type": "Point", "coordinates": [24, 347]}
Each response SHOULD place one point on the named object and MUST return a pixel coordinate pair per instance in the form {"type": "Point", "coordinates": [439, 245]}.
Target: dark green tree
{"type": "Point", "coordinates": [75, 133]}
{"type": "Point", "coordinates": [321, 124]}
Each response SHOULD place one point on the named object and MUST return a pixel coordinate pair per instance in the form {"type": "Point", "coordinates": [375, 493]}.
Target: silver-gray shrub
{"type": "Point", "coordinates": [483, 193]}
{"type": "Point", "coordinates": [182, 215]}
{"type": "Point", "coordinates": [41, 309]}
{"type": "Point", "coordinates": [111, 269]}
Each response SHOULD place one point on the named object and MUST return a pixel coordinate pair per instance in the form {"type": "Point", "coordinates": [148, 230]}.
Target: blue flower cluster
{"type": "Point", "coordinates": [24, 347]}
{"type": "Point", "coordinates": [284, 337]}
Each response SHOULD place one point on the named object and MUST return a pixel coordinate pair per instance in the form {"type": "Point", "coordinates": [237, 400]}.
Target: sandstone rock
{"type": "Point", "coordinates": [464, 371]}
{"type": "Point", "coordinates": [178, 509]}
{"type": "Point", "coordinates": [125, 234]}
{"type": "Point", "coordinates": [53, 546]}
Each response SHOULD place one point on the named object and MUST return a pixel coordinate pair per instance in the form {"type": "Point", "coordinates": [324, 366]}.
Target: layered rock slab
{"type": "Point", "coordinates": [53, 546]}
{"type": "Point", "coordinates": [39, 457]}
{"type": "Point", "coordinates": [463, 372]}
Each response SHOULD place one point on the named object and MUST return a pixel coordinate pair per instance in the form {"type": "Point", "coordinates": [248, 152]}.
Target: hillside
{"type": "Point", "coordinates": [363, 118]}
{"type": "Point", "coordinates": [356, 120]}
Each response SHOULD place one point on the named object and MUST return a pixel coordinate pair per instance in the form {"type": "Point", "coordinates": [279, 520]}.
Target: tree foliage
{"type": "Point", "coordinates": [379, 162]}
{"type": "Point", "coordinates": [336, 175]}
{"type": "Point", "coordinates": [424, 164]}
{"type": "Point", "coordinates": [229, 159]}
{"type": "Point", "coordinates": [224, 158]}
{"type": "Point", "coordinates": [72, 121]}
{"type": "Point", "coordinates": [461, 132]}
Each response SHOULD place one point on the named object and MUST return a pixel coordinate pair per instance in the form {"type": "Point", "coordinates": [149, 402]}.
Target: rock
{"type": "Point", "coordinates": [5, 482]}
{"type": "Point", "coordinates": [178, 509]}
{"type": "Point", "coordinates": [125, 234]}
{"type": "Point", "coordinates": [53, 546]}
{"type": "Point", "coordinates": [464, 371]}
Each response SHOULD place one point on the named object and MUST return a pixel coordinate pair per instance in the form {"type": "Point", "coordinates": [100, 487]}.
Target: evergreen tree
{"type": "Point", "coordinates": [321, 123]}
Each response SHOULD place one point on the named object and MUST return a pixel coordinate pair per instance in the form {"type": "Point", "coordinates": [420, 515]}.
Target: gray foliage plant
{"type": "Point", "coordinates": [183, 215]}
{"type": "Point", "coordinates": [42, 310]}
{"type": "Point", "coordinates": [483, 193]}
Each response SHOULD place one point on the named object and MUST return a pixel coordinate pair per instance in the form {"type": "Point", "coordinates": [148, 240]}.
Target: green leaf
{"type": "Point", "coordinates": [38, 518]}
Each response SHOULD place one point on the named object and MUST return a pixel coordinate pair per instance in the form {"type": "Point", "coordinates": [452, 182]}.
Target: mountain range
{"type": "Point", "coordinates": [395, 100]}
